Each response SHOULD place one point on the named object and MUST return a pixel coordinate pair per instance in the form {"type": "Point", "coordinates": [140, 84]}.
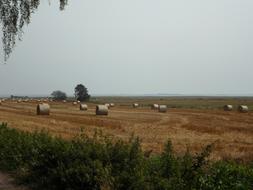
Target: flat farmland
{"type": "Point", "coordinates": [190, 123]}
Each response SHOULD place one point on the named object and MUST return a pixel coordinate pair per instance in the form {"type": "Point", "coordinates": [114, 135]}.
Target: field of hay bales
{"type": "Point", "coordinates": [190, 122]}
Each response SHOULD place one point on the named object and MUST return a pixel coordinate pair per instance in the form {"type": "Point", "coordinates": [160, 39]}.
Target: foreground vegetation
{"type": "Point", "coordinates": [45, 162]}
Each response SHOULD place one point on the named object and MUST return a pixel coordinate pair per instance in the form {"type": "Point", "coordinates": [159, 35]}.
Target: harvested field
{"type": "Point", "coordinates": [192, 128]}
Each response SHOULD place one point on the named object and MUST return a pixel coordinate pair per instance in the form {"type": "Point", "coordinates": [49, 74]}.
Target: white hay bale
{"type": "Point", "coordinates": [78, 102]}
{"type": "Point", "coordinates": [83, 107]}
{"type": "Point", "coordinates": [43, 109]}
{"type": "Point", "coordinates": [155, 107]}
{"type": "Point", "coordinates": [101, 110]}
{"type": "Point", "coordinates": [74, 103]}
{"type": "Point", "coordinates": [162, 108]}
{"type": "Point", "coordinates": [64, 101]}
{"type": "Point", "coordinates": [108, 105]}
{"type": "Point", "coordinates": [228, 108]}
{"type": "Point", "coordinates": [243, 108]}
{"type": "Point", "coordinates": [19, 101]}
{"type": "Point", "coordinates": [112, 105]}
{"type": "Point", "coordinates": [135, 105]}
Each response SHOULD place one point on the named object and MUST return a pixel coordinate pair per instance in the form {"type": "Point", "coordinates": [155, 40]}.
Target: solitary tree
{"type": "Point", "coordinates": [59, 95]}
{"type": "Point", "coordinates": [81, 93]}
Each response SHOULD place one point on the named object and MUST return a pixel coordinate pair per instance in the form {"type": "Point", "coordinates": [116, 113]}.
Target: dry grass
{"type": "Point", "coordinates": [231, 132]}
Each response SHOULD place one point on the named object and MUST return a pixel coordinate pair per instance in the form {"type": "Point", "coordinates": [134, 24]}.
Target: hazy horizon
{"type": "Point", "coordinates": [134, 47]}
{"type": "Point", "coordinates": [138, 95]}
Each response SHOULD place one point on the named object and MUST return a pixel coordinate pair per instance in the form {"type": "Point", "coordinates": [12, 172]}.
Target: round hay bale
{"type": "Point", "coordinates": [83, 107]}
{"type": "Point", "coordinates": [155, 107]}
{"type": "Point", "coordinates": [228, 108]}
{"type": "Point", "coordinates": [162, 108]}
{"type": "Point", "coordinates": [243, 108]}
{"type": "Point", "coordinates": [64, 101]}
{"type": "Point", "coordinates": [19, 101]}
{"type": "Point", "coordinates": [43, 109]}
{"type": "Point", "coordinates": [101, 110]}
{"type": "Point", "coordinates": [107, 105]}
{"type": "Point", "coordinates": [74, 103]}
{"type": "Point", "coordinates": [112, 105]}
{"type": "Point", "coordinates": [135, 105]}
{"type": "Point", "coordinates": [78, 102]}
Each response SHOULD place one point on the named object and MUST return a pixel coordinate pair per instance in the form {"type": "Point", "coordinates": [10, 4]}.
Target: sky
{"type": "Point", "coordinates": [117, 47]}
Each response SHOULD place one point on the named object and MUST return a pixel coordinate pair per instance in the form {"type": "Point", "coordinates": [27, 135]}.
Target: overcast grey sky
{"type": "Point", "coordinates": [135, 47]}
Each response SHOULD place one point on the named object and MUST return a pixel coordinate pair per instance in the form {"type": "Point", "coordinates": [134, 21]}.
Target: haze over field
{"type": "Point", "coordinates": [135, 47]}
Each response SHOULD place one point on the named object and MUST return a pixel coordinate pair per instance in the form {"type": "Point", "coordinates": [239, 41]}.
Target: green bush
{"type": "Point", "coordinates": [227, 176]}
{"type": "Point", "coordinates": [45, 162]}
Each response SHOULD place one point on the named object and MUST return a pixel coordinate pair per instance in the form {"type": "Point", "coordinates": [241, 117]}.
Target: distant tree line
{"type": "Point", "coordinates": [81, 94]}
{"type": "Point", "coordinates": [16, 97]}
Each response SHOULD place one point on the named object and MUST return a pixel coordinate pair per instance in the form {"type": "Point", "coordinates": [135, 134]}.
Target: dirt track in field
{"type": "Point", "coordinates": [231, 132]}
{"type": "Point", "coordinates": [7, 183]}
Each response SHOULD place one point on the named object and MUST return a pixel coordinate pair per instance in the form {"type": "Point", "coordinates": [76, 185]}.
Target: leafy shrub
{"type": "Point", "coordinates": [46, 162]}
{"type": "Point", "coordinates": [223, 175]}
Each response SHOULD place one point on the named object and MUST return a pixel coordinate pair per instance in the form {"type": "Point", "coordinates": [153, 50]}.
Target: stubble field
{"type": "Point", "coordinates": [190, 123]}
